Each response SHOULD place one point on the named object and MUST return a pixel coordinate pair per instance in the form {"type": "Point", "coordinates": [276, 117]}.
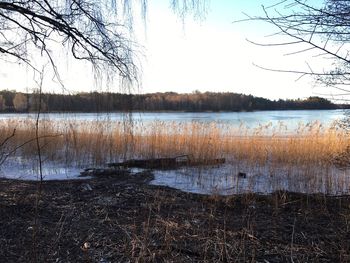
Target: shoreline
{"type": "Point", "coordinates": [169, 111]}
{"type": "Point", "coordinates": [123, 218]}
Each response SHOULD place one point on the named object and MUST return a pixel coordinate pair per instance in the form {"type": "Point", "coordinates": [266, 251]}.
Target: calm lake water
{"type": "Point", "coordinates": [290, 118]}
{"type": "Point", "coordinates": [208, 180]}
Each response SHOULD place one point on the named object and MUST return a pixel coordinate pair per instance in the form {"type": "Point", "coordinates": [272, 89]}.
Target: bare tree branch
{"type": "Point", "coordinates": [312, 27]}
{"type": "Point", "coordinates": [99, 32]}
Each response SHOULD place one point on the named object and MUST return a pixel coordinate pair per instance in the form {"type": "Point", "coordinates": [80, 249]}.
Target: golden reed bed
{"type": "Point", "coordinates": [98, 142]}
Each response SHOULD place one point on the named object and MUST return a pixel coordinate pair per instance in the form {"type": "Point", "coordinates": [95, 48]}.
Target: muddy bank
{"type": "Point", "coordinates": [123, 219]}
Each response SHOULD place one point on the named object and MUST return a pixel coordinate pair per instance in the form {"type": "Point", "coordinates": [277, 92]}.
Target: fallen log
{"type": "Point", "coordinates": [146, 163]}
{"type": "Point", "coordinates": [154, 163]}
{"type": "Point", "coordinates": [165, 163]}
{"type": "Point", "coordinates": [100, 172]}
{"type": "Point", "coordinates": [206, 162]}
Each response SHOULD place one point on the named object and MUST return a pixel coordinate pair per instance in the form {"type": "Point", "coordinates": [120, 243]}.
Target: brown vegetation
{"type": "Point", "coordinates": [308, 159]}
{"type": "Point", "coordinates": [99, 142]}
{"type": "Point", "coordinates": [121, 219]}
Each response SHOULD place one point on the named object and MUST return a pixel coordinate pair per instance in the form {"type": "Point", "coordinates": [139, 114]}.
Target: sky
{"type": "Point", "coordinates": [208, 54]}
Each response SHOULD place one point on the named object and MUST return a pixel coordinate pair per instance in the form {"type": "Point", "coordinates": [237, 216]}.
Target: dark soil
{"type": "Point", "coordinates": [123, 219]}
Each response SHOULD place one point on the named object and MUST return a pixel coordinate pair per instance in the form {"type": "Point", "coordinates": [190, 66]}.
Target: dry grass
{"type": "Point", "coordinates": [128, 221]}
{"type": "Point", "coordinates": [98, 142]}
{"type": "Point", "coordinates": [143, 223]}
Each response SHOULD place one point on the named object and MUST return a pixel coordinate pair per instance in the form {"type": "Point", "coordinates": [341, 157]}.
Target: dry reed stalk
{"type": "Point", "coordinates": [98, 142]}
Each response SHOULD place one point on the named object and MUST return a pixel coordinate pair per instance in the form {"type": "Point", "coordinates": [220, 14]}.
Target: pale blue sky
{"type": "Point", "coordinates": [207, 55]}
{"type": "Point", "coordinates": [213, 54]}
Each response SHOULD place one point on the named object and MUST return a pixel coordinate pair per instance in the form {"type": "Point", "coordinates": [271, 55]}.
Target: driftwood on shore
{"type": "Point", "coordinates": [154, 163]}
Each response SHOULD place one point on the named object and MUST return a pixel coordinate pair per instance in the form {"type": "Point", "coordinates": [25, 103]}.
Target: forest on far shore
{"type": "Point", "coordinates": [12, 101]}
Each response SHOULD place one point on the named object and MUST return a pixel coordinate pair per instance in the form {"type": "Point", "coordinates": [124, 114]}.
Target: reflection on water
{"type": "Point", "coordinates": [224, 180]}
{"type": "Point", "coordinates": [24, 169]}
{"type": "Point", "coordinates": [220, 180]}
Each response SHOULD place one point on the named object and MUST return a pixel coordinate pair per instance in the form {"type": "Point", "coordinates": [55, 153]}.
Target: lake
{"type": "Point", "coordinates": [262, 178]}
{"type": "Point", "coordinates": [290, 118]}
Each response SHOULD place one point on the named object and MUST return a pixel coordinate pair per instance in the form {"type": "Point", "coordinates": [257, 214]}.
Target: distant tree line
{"type": "Point", "coordinates": [11, 101]}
